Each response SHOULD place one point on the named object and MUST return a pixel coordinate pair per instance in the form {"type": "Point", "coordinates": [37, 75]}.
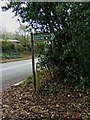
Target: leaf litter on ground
{"type": "Point", "coordinates": [55, 102]}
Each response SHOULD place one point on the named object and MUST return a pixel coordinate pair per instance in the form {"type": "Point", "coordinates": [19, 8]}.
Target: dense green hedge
{"type": "Point", "coordinates": [68, 56]}
{"type": "Point", "coordinates": [10, 51]}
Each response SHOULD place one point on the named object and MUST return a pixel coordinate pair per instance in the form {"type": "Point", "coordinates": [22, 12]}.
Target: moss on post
{"type": "Point", "coordinates": [37, 77]}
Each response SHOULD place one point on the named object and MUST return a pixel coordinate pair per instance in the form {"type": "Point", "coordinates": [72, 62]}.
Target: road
{"type": "Point", "coordinates": [13, 72]}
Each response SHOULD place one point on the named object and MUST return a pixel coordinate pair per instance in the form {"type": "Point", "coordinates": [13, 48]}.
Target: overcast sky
{"type": "Point", "coordinates": [7, 20]}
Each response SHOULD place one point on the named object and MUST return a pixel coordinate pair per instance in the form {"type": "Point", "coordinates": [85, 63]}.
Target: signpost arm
{"type": "Point", "coordinates": [33, 64]}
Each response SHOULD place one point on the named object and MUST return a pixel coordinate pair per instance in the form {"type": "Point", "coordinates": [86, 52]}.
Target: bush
{"type": "Point", "coordinates": [69, 62]}
{"type": "Point", "coordinates": [19, 48]}
{"type": "Point", "coordinates": [68, 55]}
{"type": "Point", "coordinates": [28, 81]}
{"type": "Point", "coordinates": [7, 47]}
{"type": "Point", "coordinates": [10, 51]}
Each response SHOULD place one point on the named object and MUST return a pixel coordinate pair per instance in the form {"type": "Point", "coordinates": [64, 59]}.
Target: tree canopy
{"type": "Point", "coordinates": [68, 54]}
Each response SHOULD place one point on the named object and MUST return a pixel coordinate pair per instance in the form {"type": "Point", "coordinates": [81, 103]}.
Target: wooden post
{"type": "Point", "coordinates": [33, 64]}
{"type": "Point", "coordinates": [37, 77]}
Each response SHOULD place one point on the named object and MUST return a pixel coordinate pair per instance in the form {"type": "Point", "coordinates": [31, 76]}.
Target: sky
{"type": "Point", "coordinates": [8, 22]}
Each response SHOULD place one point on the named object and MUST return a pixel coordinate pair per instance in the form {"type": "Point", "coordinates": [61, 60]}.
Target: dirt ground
{"type": "Point", "coordinates": [22, 103]}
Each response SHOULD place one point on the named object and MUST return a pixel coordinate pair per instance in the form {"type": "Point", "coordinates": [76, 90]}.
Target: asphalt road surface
{"type": "Point", "coordinates": [13, 72]}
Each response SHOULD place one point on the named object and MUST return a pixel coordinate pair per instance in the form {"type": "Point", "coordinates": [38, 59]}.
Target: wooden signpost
{"type": "Point", "coordinates": [38, 36]}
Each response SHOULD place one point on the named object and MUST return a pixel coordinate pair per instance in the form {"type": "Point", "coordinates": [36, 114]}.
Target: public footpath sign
{"type": "Point", "coordinates": [44, 36]}
{"type": "Point", "coordinates": [38, 36]}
